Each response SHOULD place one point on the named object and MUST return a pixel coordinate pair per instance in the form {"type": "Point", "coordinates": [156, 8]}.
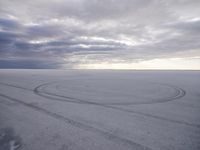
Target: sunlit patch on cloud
{"type": "Point", "coordinates": [169, 64]}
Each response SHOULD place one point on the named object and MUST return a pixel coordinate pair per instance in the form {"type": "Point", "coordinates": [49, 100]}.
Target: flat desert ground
{"type": "Point", "coordinates": [99, 110]}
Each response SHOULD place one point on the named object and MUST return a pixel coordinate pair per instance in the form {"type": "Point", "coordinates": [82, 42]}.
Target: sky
{"type": "Point", "coordinates": [100, 34]}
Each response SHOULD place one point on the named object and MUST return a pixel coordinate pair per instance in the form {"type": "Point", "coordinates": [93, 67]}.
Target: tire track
{"type": "Point", "coordinates": [61, 98]}
{"type": "Point", "coordinates": [179, 93]}
{"type": "Point", "coordinates": [16, 86]}
{"type": "Point", "coordinates": [107, 135]}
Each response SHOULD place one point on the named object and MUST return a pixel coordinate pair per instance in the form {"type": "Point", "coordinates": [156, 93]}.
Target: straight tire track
{"type": "Point", "coordinates": [80, 125]}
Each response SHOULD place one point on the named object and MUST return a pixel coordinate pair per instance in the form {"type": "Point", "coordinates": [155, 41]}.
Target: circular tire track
{"type": "Point", "coordinates": [41, 90]}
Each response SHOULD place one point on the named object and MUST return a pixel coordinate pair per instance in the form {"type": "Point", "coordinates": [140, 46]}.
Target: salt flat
{"type": "Point", "coordinates": [99, 110]}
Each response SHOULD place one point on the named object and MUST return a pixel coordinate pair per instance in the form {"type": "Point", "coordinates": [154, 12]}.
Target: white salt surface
{"type": "Point", "coordinates": [100, 109]}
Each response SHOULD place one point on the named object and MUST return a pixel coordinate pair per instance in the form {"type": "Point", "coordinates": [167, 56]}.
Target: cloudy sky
{"type": "Point", "coordinates": [100, 34]}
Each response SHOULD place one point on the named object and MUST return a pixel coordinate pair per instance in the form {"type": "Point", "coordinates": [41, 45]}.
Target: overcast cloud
{"type": "Point", "coordinates": [67, 33]}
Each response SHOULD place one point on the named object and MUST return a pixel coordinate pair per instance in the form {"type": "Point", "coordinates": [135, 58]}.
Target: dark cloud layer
{"type": "Point", "coordinates": [65, 33]}
{"type": "Point", "coordinates": [27, 64]}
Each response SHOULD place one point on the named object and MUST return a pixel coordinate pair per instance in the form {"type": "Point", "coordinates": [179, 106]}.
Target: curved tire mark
{"type": "Point", "coordinates": [179, 93]}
